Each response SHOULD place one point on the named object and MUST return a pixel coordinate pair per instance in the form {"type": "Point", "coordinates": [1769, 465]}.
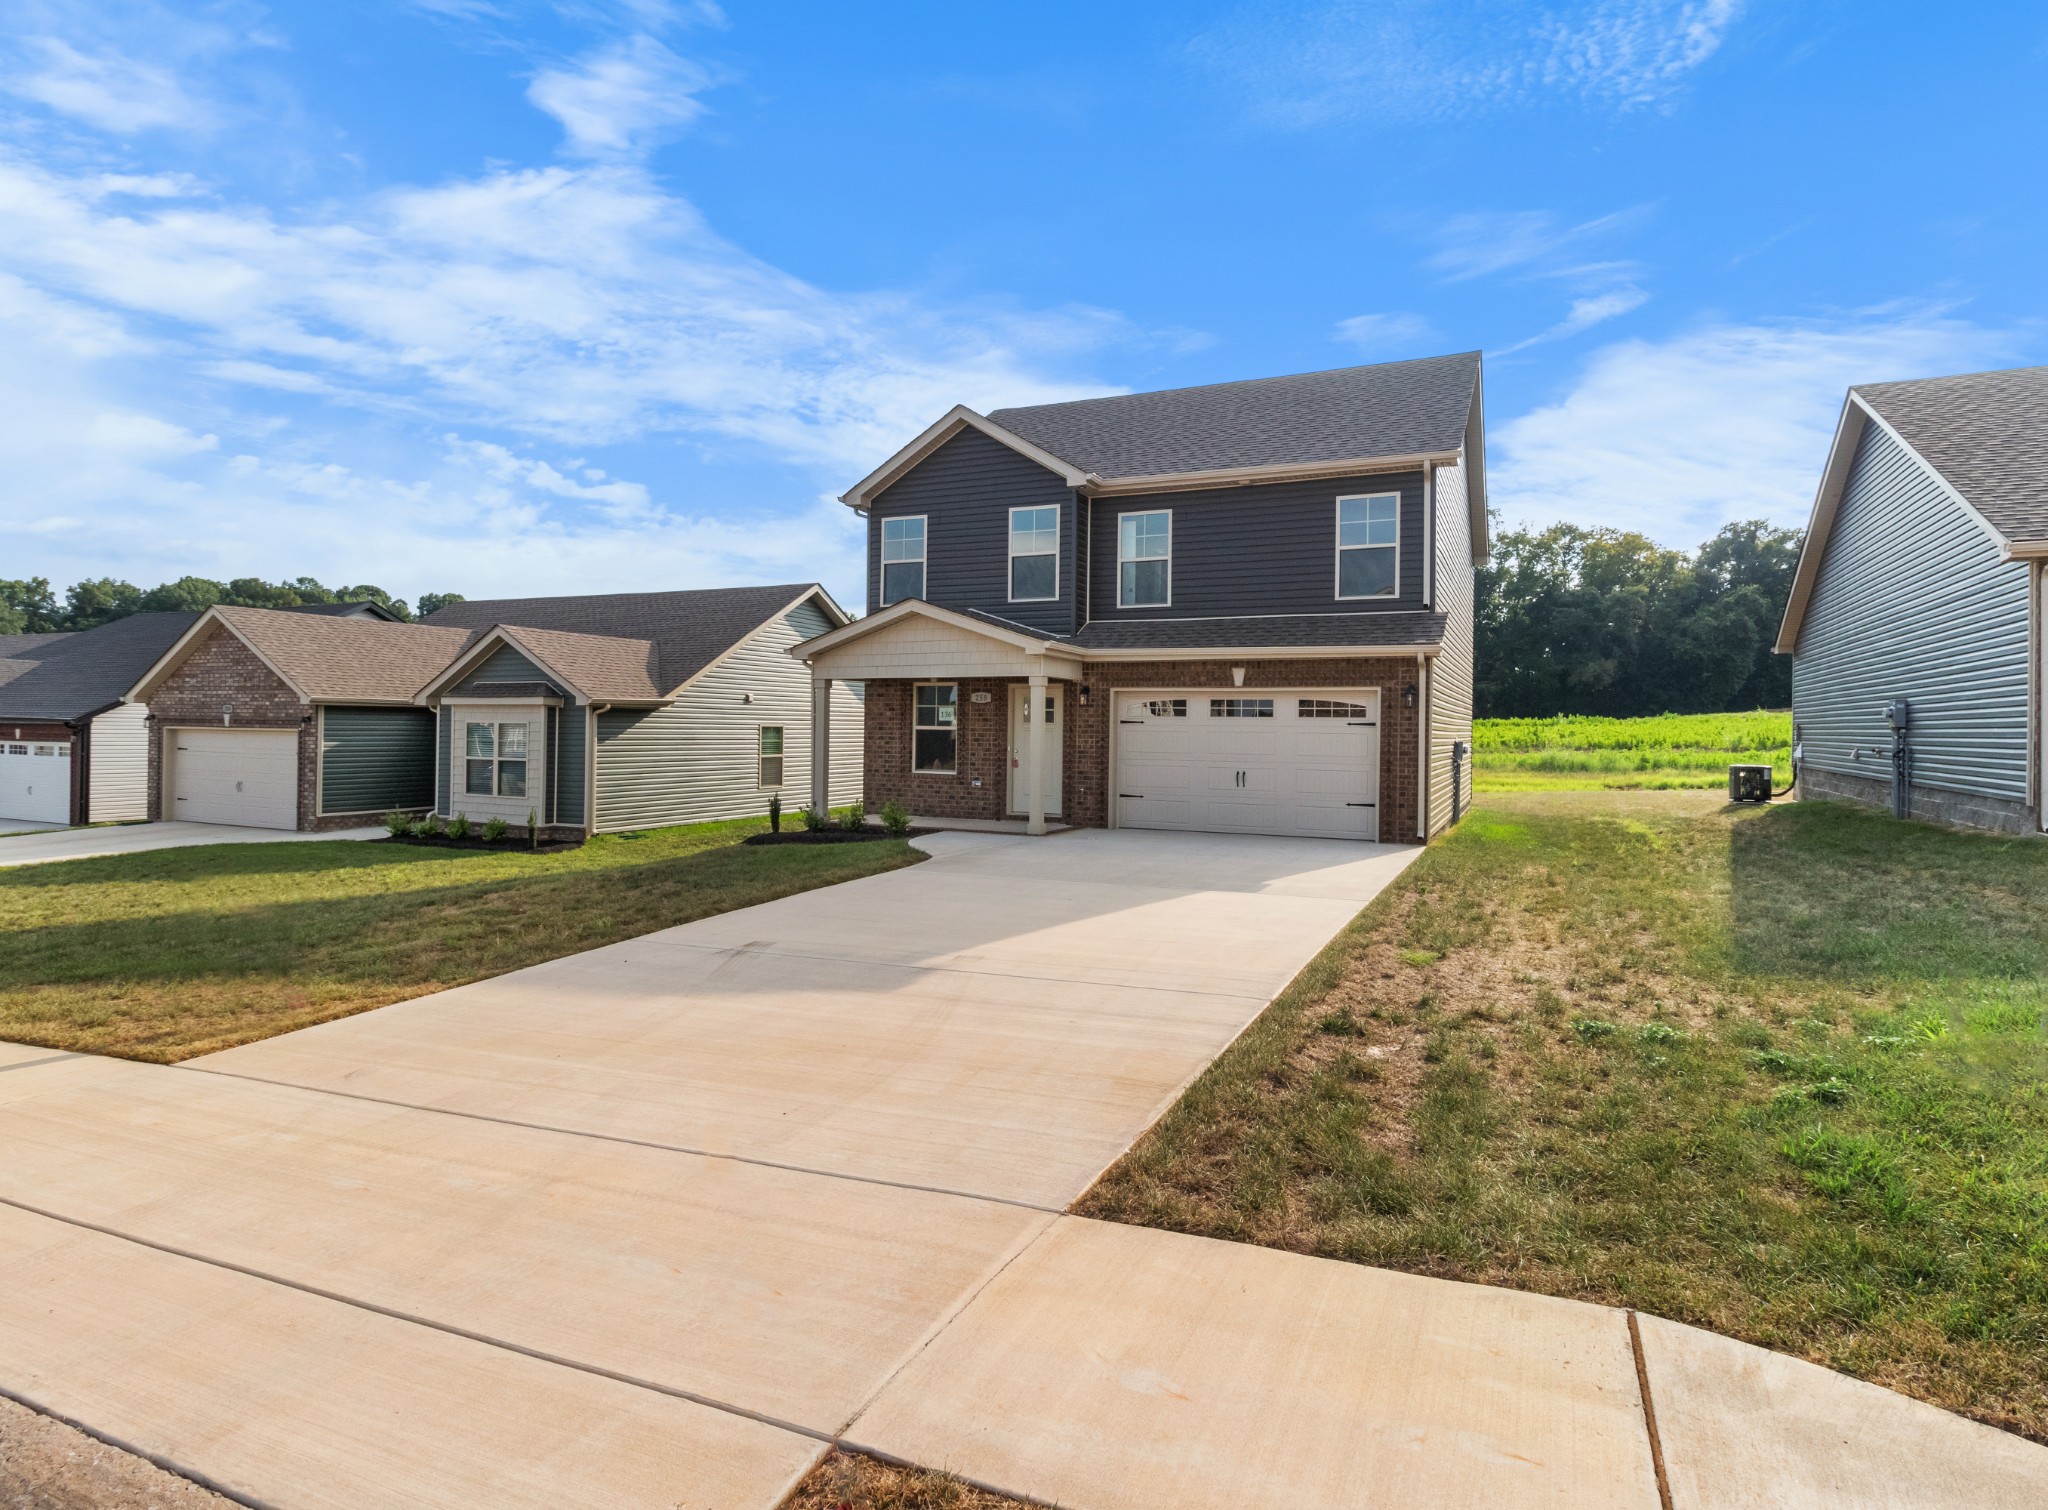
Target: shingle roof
{"type": "Point", "coordinates": [603, 667]}
{"type": "Point", "coordinates": [1389, 409]}
{"type": "Point", "coordinates": [689, 630]}
{"type": "Point", "coordinates": [346, 660]}
{"type": "Point", "coordinates": [1279, 632]}
{"type": "Point", "coordinates": [1986, 433]}
{"type": "Point", "coordinates": [67, 676]}
{"type": "Point", "coordinates": [362, 608]}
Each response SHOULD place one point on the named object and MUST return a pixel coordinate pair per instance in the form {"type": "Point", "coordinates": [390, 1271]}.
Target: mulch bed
{"type": "Point", "coordinates": [830, 836]}
{"type": "Point", "coordinates": [508, 845]}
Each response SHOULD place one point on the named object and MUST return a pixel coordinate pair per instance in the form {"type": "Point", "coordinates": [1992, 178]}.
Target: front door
{"type": "Point", "coordinates": [1020, 746]}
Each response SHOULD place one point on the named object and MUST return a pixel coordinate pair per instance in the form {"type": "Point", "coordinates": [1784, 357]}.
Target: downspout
{"type": "Point", "coordinates": [1422, 747]}
{"type": "Point", "coordinates": [590, 768]}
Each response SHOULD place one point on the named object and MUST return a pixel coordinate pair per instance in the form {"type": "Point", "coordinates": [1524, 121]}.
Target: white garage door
{"type": "Point", "coordinates": [1249, 761]}
{"type": "Point", "coordinates": [248, 777]}
{"type": "Point", "coordinates": [35, 780]}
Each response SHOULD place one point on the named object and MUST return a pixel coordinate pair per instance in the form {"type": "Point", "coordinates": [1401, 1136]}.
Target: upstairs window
{"type": "Point", "coordinates": [902, 559]}
{"type": "Point", "coordinates": [771, 755]}
{"type": "Point", "coordinates": [935, 729]}
{"type": "Point", "coordinates": [1144, 560]}
{"type": "Point", "coordinates": [1369, 546]}
{"type": "Point", "coordinates": [1034, 554]}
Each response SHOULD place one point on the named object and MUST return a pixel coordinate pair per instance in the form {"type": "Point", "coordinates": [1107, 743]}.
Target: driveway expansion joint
{"type": "Point", "coordinates": [29, 1064]}
{"type": "Point", "coordinates": [1635, 1346]}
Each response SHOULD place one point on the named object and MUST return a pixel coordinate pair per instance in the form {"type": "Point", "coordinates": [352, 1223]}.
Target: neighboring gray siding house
{"type": "Point", "coordinates": [1245, 607]}
{"type": "Point", "coordinates": [71, 751]}
{"type": "Point", "coordinates": [634, 710]}
{"type": "Point", "coordinates": [1921, 580]}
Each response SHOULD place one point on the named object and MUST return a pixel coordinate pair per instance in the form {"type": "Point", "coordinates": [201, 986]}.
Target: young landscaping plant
{"type": "Point", "coordinates": [854, 816]}
{"type": "Point", "coordinates": [814, 819]}
{"type": "Point", "coordinates": [775, 814]}
{"type": "Point", "coordinates": [895, 818]}
{"type": "Point", "coordinates": [495, 830]}
{"type": "Point", "coordinates": [533, 829]}
{"type": "Point", "coordinates": [458, 826]}
{"type": "Point", "coordinates": [397, 823]}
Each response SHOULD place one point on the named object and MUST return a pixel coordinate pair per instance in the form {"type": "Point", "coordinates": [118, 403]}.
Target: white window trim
{"type": "Point", "coordinates": [883, 563]}
{"type": "Point", "coordinates": [761, 756]}
{"type": "Point", "coordinates": [1121, 558]}
{"type": "Point", "coordinates": [954, 768]}
{"type": "Point", "coordinates": [497, 723]}
{"type": "Point", "coordinates": [1337, 555]}
{"type": "Point", "coordinates": [1010, 564]}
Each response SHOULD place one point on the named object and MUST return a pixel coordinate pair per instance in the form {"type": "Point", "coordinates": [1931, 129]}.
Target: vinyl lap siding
{"type": "Point", "coordinates": [571, 726]}
{"type": "Point", "coordinates": [445, 722]}
{"type": "Point", "coordinates": [1913, 601]}
{"type": "Point", "coordinates": [376, 759]}
{"type": "Point", "coordinates": [117, 765]}
{"type": "Point", "coordinates": [697, 759]}
{"type": "Point", "coordinates": [1270, 549]}
{"type": "Point", "coordinates": [966, 489]}
{"type": "Point", "coordinates": [1450, 675]}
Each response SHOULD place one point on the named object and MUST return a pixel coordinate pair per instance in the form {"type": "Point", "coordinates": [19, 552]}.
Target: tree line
{"type": "Point", "coordinates": [29, 606]}
{"type": "Point", "coordinates": [1603, 621]}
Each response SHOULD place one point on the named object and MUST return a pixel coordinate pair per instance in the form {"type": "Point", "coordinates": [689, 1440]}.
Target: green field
{"type": "Point", "coordinates": [1672, 750]}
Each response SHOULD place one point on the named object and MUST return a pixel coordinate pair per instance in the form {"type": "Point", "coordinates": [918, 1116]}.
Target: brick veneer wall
{"type": "Point", "coordinates": [1085, 756]}
{"type": "Point", "coordinates": [223, 671]}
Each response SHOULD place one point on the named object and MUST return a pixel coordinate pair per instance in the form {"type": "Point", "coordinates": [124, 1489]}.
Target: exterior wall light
{"type": "Point", "coordinates": [1408, 696]}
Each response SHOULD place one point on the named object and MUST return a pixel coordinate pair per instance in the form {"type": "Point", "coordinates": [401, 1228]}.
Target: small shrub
{"type": "Point", "coordinates": [896, 818]}
{"type": "Point", "coordinates": [397, 824]}
{"type": "Point", "coordinates": [854, 816]}
{"type": "Point", "coordinates": [495, 830]}
{"type": "Point", "coordinates": [533, 828]}
{"type": "Point", "coordinates": [458, 826]}
{"type": "Point", "coordinates": [814, 819]}
{"type": "Point", "coordinates": [775, 814]}
{"type": "Point", "coordinates": [1592, 1029]}
{"type": "Point", "coordinates": [428, 827]}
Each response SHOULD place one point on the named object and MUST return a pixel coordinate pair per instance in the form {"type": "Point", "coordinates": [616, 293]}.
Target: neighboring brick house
{"type": "Point", "coordinates": [1239, 608]}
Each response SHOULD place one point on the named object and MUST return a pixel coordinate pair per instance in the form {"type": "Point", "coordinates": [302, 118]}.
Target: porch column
{"type": "Point", "coordinates": [821, 741]}
{"type": "Point", "coordinates": [1035, 753]}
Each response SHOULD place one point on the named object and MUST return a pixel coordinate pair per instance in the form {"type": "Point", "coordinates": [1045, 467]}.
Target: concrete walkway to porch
{"type": "Point", "coordinates": [653, 1224]}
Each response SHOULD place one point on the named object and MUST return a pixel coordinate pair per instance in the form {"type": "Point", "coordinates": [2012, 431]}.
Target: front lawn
{"type": "Point", "coordinates": [183, 951]}
{"type": "Point", "coordinates": [1776, 1072]}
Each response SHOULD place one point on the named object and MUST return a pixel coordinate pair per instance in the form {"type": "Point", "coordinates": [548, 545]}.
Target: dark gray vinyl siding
{"type": "Point", "coordinates": [376, 759]}
{"type": "Point", "coordinates": [1256, 550]}
{"type": "Point", "coordinates": [1912, 601]}
{"type": "Point", "coordinates": [571, 726]}
{"type": "Point", "coordinates": [445, 719]}
{"type": "Point", "coordinates": [966, 490]}
{"type": "Point", "coordinates": [698, 758]}
{"type": "Point", "coordinates": [502, 665]}
{"type": "Point", "coordinates": [1450, 674]}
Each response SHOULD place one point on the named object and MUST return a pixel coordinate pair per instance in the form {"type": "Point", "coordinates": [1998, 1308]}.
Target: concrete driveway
{"type": "Point", "coordinates": [651, 1225]}
{"type": "Point", "coordinates": [40, 848]}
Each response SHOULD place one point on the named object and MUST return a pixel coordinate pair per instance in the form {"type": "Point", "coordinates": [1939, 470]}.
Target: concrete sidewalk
{"type": "Point", "coordinates": [652, 1225]}
{"type": "Point", "coordinates": [41, 848]}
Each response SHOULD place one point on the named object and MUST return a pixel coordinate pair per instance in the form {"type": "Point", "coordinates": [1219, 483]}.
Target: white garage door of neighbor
{"type": "Point", "coordinates": [248, 777]}
{"type": "Point", "coordinates": [1250, 761]}
{"type": "Point", "coordinates": [35, 781]}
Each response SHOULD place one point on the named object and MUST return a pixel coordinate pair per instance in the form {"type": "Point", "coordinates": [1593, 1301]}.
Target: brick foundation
{"type": "Point", "coordinates": [1924, 803]}
{"type": "Point", "coordinates": [1085, 753]}
{"type": "Point", "coordinates": [223, 672]}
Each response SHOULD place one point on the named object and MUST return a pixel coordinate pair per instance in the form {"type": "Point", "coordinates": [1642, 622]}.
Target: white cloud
{"type": "Point", "coordinates": [1480, 243]}
{"type": "Point", "coordinates": [1584, 315]}
{"type": "Point", "coordinates": [1678, 437]}
{"type": "Point", "coordinates": [620, 99]}
{"type": "Point", "coordinates": [104, 89]}
{"type": "Point", "coordinates": [1386, 334]}
{"type": "Point", "coordinates": [1422, 60]}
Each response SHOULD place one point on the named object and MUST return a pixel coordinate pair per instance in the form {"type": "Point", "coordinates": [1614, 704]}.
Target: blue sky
{"type": "Point", "coordinates": [508, 297]}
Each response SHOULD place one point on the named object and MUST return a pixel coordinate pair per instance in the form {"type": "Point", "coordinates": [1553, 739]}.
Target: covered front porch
{"type": "Point", "coordinates": [966, 720]}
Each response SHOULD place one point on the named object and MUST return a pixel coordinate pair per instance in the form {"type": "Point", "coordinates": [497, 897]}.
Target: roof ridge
{"type": "Point", "coordinates": [1282, 377]}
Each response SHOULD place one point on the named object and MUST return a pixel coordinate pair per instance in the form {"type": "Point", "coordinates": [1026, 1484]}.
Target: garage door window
{"type": "Point", "coordinates": [936, 734]}
{"type": "Point", "coordinates": [495, 760]}
{"type": "Point", "coordinates": [17, 749]}
{"type": "Point", "coordinates": [1317, 707]}
{"type": "Point", "coordinates": [1240, 707]}
{"type": "Point", "coordinates": [1368, 541]}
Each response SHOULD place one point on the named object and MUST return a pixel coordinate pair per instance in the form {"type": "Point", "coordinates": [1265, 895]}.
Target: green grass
{"type": "Point", "coordinates": [179, 952]}
{"type": "Point", "coordinates": [1778, 1072]}
{"type": "Point", "coordinates": [1673, 750]}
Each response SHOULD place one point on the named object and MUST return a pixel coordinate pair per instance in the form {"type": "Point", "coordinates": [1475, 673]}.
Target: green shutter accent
{"type": "Point", "coordinates": [376, 759]}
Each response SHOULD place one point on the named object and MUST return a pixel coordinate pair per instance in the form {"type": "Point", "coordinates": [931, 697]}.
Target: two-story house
{"type": "Point", "coordinates": [1242, 608]}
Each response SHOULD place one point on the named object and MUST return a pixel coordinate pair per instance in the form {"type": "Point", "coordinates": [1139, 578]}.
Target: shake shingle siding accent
{"type": "Point", "coordinates": [697, 759]}
{"type": "Point", "coordinates": [1912, 600]}
{"type": "Point", "coordinates": [375, 759]}
{"type": "Point", "coordinates": [966, 489]}
{"type": "Point", "coordinates": [1263, 550]}
{"type": "Point", "coordinates": [1450, 675]}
